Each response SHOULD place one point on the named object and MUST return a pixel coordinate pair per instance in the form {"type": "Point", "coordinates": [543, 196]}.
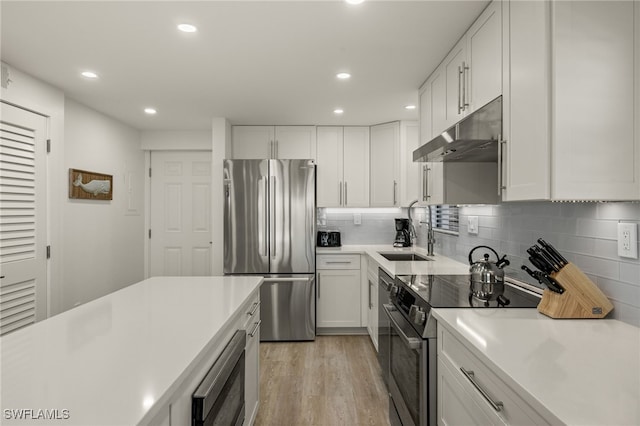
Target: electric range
{"type": "Point", "coordinates": [413, 331]}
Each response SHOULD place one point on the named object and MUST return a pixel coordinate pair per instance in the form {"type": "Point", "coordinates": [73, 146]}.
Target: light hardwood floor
{"type": "Point", "coordinates": [332, 381]}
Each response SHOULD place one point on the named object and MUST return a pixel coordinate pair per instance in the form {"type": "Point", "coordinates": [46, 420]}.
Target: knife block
{"type": "Point", "coordinates": [581, 297]}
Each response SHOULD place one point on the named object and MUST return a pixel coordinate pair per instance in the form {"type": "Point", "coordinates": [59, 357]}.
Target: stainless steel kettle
{"type": "Point", "coordinates": [487, 278]}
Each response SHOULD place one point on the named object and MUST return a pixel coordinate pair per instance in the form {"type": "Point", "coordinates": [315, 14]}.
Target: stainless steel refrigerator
{"type": "Point", "coordinates": [269, 230]}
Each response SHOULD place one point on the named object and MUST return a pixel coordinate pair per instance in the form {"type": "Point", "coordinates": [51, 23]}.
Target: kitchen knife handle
{"type": "Point", "coordinates": [497, 405]}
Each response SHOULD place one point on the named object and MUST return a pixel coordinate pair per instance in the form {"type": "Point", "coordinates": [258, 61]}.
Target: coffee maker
{"type": "Point", "coordinates": [403, 233]}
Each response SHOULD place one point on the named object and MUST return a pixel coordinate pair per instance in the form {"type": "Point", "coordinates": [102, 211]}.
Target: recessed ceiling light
{"type": "Point", "coordinates": [89, 74]}
{"type": "Point", "coordinates": [354, 1]}
{"type": "Point", "coordinates": [187, 28]}
{"type": "Point", "coordinates": [150, 111]}
{"type": "Point", "coordinates": [343, 75]}
{"type": "Point", "coordinates": [410, 107]}
{"type": "Point", "coordinates": [338, 111]}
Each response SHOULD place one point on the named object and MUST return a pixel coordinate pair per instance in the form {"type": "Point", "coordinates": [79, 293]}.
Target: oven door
{"type": "Point", "coordinates": [407, 370]}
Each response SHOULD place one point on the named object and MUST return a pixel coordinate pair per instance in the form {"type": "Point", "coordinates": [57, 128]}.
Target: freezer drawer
{"type": "Point", "coordinates": [288, 310]}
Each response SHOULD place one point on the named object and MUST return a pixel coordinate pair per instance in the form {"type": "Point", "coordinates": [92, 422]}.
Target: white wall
{"type": "Point", "coordinates": [97, 247]}
{"type": "Point", "coordinates": [168, 140]}
{"type": "Point", "coordinates": [104, 240]}
{"type": "Point", "coordinates": [32, 94]}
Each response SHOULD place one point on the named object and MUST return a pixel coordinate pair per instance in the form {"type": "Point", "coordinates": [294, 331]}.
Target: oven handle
{"type": "Point", "coordinates": [411, 342]}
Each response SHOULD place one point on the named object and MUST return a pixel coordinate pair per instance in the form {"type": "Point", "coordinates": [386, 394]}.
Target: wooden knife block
{"type": "Point", "coordinates": [581, 297]}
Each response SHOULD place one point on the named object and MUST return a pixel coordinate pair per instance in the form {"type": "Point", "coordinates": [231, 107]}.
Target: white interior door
{"type": "Point", "coordinates": [23, 264]}
{"type": "Point", "coordinates": [180, 243]}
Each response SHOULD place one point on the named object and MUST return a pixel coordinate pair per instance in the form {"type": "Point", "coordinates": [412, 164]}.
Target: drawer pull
{"type": "Point", "coordinates": [498, 406]}
{"type": "Point", "coordinates": [255, 328]}
{"type": "Point", "coordinates": [255, 308]}
{"type": "Point", "coordinates": [337, 261]}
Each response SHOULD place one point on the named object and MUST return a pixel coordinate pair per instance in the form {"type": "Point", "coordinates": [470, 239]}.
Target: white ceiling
{"type": "Point", "coordinates": [262, 62]}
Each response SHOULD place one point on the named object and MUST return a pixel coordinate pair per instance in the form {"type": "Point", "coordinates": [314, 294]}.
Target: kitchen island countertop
{"type": "Point", "coordinates": [440, 265]}
{"type": "Point", "coordinates": [575, 372]}
{"type": "Point", "coordinates": [117, 359]}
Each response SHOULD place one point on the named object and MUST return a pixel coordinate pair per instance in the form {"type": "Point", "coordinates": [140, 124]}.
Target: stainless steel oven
{"type": "Point", "coordinates": [413, 344]}
{"type": "Point", "coordinates": [219, 399]}
{"type": "Point", "coordinates": [409, 367]}
{"type": "Point", "coordinates": [385, 283]}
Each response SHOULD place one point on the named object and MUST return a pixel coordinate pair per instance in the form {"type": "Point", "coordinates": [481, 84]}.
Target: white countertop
{"type": "Point", "coordinates": [440, 265]}
{"type": "Point", "coordinates": [109, 361]}
{"type": "Point", "coordinates": [576, 372]}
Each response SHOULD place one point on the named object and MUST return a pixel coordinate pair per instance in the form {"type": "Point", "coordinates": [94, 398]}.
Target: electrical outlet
{"type": "Point", "coordinates": [628, 240]}
{"type": "Point", "coordinates": [472, 225]}
{"type": "Point", "coordinates": [357, 219]}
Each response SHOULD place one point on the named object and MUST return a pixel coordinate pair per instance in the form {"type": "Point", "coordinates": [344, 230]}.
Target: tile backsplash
{"type": "Point", "coordinates": [585, 233]}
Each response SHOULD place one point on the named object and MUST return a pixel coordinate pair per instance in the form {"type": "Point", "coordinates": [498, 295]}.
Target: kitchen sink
{"type": "Point", "coordinates": [404, 257]}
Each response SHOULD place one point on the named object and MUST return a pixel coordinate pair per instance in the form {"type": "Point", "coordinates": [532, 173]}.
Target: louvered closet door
{"type": "Point", "coordinates": [23, 298]}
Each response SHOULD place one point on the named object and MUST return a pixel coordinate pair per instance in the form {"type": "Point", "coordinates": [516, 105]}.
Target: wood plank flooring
{"type": "Point", "coordinates": [330, 382]}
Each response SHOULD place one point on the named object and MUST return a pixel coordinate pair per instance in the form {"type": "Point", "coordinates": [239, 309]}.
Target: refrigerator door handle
{"type": "Point", "coordinates": [286, 280]}
{"type": "Point", "coordinates": [263, 223]}
{"type": "Point", "coordinates": [272, 213]}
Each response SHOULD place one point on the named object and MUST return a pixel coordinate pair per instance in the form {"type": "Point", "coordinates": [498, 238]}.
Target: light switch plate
{"type": "Point", "coordinates": [357, 219]}
{"type": "Point", "coordinates": [472, 225]}
{"type": "Point", "coordinates": [628, 240]}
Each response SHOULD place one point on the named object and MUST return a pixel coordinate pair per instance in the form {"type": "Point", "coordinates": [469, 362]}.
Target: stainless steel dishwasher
{"type": "Point", "coordinates": [385, 283]}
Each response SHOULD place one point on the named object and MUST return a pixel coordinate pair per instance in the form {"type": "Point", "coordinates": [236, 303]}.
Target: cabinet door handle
{"type": "Point", "coordinates": [370, 304]}
{"type": "Point", "coordinates": [255, 308]}
{"type": "Point", "coordinates": [340, 186]}
{"type": "Point", "coordinates": [395, 190]}
{"type": "Point", "coordinates": [497, 405]}
{"type": "Point", "coordinates": [318, 285]}
{"type": "Point", "coordinates": [424, 183]}
{"type": "Point", "coordinates": [276, 149]}
{"type": "Point", "coordinates": [501, 184]}
{"type": "Point", "coordinates": [459, 89]}
{"type": "Point", "coordinates": [465, 101]}
{"type": "Point", "coordinates": [256, 326]}
{"type": "Point", "coordinates": [345, 194]}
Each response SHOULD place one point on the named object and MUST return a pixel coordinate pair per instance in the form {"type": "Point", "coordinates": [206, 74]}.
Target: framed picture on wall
{"type": "Point", "coordinates": [87, 185]}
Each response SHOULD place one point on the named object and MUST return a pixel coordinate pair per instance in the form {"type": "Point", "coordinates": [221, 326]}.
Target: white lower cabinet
{"type": "Point", "coordinates": [178, 411]}
{"type": "Point", "coordinates": [372, 311]}
{"type": "Point", "coordinates": [252, 364]}
{"type": "Point", "coordinates": [338, 291]}
{"type": "Point", "coordinates": [470, 393]}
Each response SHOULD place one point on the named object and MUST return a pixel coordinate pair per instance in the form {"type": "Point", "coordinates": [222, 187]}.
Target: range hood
{"type": "Point", "coordinates": [473, 139]}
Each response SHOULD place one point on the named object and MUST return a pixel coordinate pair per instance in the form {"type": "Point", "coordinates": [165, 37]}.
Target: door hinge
{"type": "Point", "coordinates": [48, 252]}
{"type": "Point", "coordinates": [149, 233]}
{"type": "Point", "coordinates": [149, 171]}
{"type": "Point", "coordinates": [48, 146]}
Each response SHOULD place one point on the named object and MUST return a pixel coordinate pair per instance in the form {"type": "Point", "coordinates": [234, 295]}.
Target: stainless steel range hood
{"type": "Point", "coordinates": [473, 139]}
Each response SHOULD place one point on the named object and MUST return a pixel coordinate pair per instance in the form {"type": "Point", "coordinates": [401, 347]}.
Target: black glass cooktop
{"type": "Point", "coordinates": [453, 291]}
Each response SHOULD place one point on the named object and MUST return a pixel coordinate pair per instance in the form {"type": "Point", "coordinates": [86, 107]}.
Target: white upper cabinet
{"type": "Point", "coordinates": [384, 166]}
{"type": "Point", "coordinates": [410, 172]}
{"type": "Point", "coordinates": [570, 112]}
{"type": "Point", "coordinates": [252, 142]}
{"type": "Point", "coordinates": [469, 77]}
{"type": "Point", "coordinates": [526, 103]}
{"type": "Point", "coordinates": [356, 167]}
{"type": "Point", "coordinates": [342, 166]}
{"type": "Point", "coordinates": [484, 59]}
{"type": "Point", "coordinates": [282, 142]}
{"type": "Point", "coordinates": [595, 151]}
{"type": "Point", "coordinates": [456, 68]}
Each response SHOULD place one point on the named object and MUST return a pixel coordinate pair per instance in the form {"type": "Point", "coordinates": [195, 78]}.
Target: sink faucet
{"type": "Point", "coordinates": [412, 229]}
{"type": "Point", "coordinates": [430, 235]}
